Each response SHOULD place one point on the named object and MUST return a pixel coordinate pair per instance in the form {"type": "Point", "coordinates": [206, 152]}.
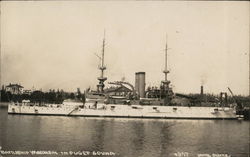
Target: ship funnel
{"type": "Point", "coordinates": [140, 84]}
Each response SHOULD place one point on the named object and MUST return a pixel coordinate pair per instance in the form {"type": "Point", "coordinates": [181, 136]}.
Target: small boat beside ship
{"type": "Point", "coordinates": [135, 102]}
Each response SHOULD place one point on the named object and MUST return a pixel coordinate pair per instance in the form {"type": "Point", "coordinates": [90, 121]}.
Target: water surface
{"type": "Point", "coordinates": [124, 137]}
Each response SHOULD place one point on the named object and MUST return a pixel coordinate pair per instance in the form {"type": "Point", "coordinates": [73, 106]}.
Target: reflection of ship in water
{"type": "Point", "coordinates": [123, 99]}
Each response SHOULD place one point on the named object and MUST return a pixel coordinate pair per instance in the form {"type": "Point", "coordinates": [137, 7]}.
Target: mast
{"type": "Point", "coordinates": [102, 67]}
{"type": "Point", "coordinates": [166, 91]}
{"type": "Point", "coordinates": [166, 71]}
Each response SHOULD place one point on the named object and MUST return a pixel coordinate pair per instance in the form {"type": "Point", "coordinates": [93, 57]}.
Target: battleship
{"type": "Point", "coordinates": [127, 101]}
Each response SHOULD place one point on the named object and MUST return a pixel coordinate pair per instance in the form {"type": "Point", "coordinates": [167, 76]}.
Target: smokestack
{"type": "Point", "coordinates": [201, 90]}
{"type": "Point", "coordinates": [140, 84]}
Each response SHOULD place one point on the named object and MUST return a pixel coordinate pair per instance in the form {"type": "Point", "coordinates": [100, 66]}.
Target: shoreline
{"type": "Point", "coordinates": [4, 104]}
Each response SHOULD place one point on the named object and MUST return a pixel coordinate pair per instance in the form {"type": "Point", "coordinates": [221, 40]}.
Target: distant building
{"type": "Point", "coordinates": [14, 88]}
{"type": "Point", "coordinates": [27, 91]}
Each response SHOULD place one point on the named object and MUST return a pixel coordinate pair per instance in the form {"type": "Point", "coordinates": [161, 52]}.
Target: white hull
{"type": "Point", "coordinates": [130, 111]}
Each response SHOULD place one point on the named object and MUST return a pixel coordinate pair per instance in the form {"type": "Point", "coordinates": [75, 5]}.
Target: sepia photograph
{"type": "Point", "coordinates": [124, 78]}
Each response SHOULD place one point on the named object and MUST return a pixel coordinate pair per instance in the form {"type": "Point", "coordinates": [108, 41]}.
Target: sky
{"type": "Point", "coordinates": [52, 44]}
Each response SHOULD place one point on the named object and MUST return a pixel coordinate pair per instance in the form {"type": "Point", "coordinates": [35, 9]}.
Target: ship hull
{"type": "Point", "coordinates": [129, 111]}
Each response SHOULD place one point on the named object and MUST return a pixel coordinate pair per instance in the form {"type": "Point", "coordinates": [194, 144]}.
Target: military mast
{"type": "Point", "coordinates": [166, 90]}
{"type": "Point", "coordinates": [102, 67]}
{"type": "Point", "coordinates": [166, 82]}
{"type": "Point", "coordinates": [166, 71]}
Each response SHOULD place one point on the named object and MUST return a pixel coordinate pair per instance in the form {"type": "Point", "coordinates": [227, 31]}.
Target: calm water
{"type": "Point", "coordinates": [124, 137]}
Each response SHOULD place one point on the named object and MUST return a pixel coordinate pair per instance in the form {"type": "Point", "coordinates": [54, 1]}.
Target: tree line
{"type": "Point", "coordinates": [52, 96]}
